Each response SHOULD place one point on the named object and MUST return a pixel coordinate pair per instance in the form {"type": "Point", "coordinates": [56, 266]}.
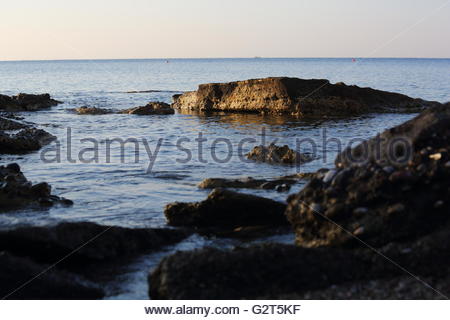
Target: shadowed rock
{"type": "Point", "coordinates": [16, 273]}
{"type": "Point", "coordinates": [281, 184]}
{"type": "Point", "coordinates": [227, 209]}
{"type": "Point", "coordinates": [16, 191]}
{"type": "Point", "coordinates": [315, 97]}
{"type": "Point", "coordinates": [26, 102]}
{"type": "Point", "coordinates": [85, 242]}
{"type": "Point", "coordinates": [398, 145]}
{"type": "Point", "coordinates": [277, 155]}
{"type": "Point", "coordinates": [152, 108]}
{"type": "Point", "coordinates": [377, 201]}
{"type": "Point", "coordinates": [338, 218]}
{"type": "Point", "coordinates": [397, 288]}
{"type": "Point", "coordinates": [274, 271]}
{"type": "Point", "coordinates": [25, 141]}
{"type": "Point", "coordinates": [9, 124]}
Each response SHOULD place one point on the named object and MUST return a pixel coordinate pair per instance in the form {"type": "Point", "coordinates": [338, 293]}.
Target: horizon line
{"type": "Point", "coordinates": [218, 58]}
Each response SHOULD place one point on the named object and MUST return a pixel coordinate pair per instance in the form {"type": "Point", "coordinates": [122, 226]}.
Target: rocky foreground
{"type": "Point", "coordinates": [71, 258]}
{"type": "Point", "coordinates": [299, 97]}
{"type": "Point", "coordinates": [366, 229]}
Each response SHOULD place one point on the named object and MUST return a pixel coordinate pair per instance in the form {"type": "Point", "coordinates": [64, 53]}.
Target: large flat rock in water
{"type": "Point", "coordinates": [282, 95]}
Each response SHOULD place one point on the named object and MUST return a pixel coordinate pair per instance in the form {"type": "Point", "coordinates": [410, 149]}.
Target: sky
{"type": "Point", "coordinates": [121, 29]}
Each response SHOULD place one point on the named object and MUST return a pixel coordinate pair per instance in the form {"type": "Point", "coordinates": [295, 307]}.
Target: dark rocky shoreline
{"type": "Point", "coordinates": [395, 206]}
{"type": "Point", "coordinates": [359, 225]}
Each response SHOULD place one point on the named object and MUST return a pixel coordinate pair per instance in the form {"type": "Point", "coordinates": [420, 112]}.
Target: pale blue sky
{"type": "Point", "coordinates": [95, 29]}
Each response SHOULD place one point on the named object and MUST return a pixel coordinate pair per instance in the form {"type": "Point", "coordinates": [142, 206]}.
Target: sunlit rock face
{"type": "Point", "coordinates": [314, 97]}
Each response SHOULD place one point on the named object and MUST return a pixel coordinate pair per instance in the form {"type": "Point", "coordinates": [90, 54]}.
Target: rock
{"type": "Point", "coordinates": [436, 156]}
{"type": "Point", "coordinates": [26, 102]}
{"type": "Point", "coordinates": [400, 201]}
{"type": "Point", "coordinates": [84, 243]}
{"type": "Point", "coordinates": [26, 140]}
{"type": "Point", "coordinates": [277, 154]}
{"type": "Point", "coordinates": [396, 146]}
{"type": "Point", "coordinates": [329, 176]}
{"type": "Point", "coordinates": [398, 288]}
{"type": "Point", "coordinates": [227, 209]}
{"type": "Point", "coordinates": [16, 191]}
{"type": "Point", "coordinates": [152, 108]}
{"type": "Point", "coordinates": [247, 273]}
{"type": "Point", "coordinates": [248, 183]}
{"type": "Point", "coordinates": [315, 97]}
{"type": "Point", "coordinates": [275, 270]}
{"type": "Point", "coordinates": [92, 111]}
{"type": "Point", "coordinates": [16, 273]}
{"type": "Point", "coordinates": [360, 224]}
{"type": "Point", "coordinates": [8, 124]}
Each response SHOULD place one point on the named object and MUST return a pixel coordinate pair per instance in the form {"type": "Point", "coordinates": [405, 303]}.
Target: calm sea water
{"type": "Point", "coordinates": [124, 193]}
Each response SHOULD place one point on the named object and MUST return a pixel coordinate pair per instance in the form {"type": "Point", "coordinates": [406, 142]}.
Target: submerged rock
{"type": "Point", "coordinates": [227, 209]}
{"type": "Point", "coordinates": [16, 191]}
{"type": "Point", "coordinates": [315, 97]}
{"type": "Point", "coordinates": [27, 140]}
{"type": "Point", "coordinates": [85, 242]}
{"type": "Point", "coordinates": [382, 200]}
{"type": "Point", "coordinates": [16, 273]}
{"type": "Point", "coordinates": [152, 108]}
{"type": "Point", "coordinates": [277, 154]}
{"type": "Point", "coordinates": [26, 102]}
{"type": "Point", "coordinates": [92, 111]}
{"type": "Point", "coordinates": [248, 183]}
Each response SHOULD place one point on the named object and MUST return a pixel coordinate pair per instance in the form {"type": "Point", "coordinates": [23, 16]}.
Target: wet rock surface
{"type": "Point", "coordinates": [152, 108]}
{"type": "Point", "coordinates": [84, 243]}
{"type": "Point", "coordinates": [277, 155]}
{"type": "Point", "coordinates": [227, 209]}
{"type": "Point", "coordinates": [16, 273]}
{"type": "Point", "coordinates": [314, 97]}
{"type": "Point", "coordinates": [376, 201]}
{"type": "Point", "coordinates": [26, 102]}
{"type": "Point", "coordinates": [16, 191]}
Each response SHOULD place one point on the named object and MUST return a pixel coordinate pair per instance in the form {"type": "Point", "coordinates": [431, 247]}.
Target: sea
{"type": "Point", "coordinates": [123, 169]}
